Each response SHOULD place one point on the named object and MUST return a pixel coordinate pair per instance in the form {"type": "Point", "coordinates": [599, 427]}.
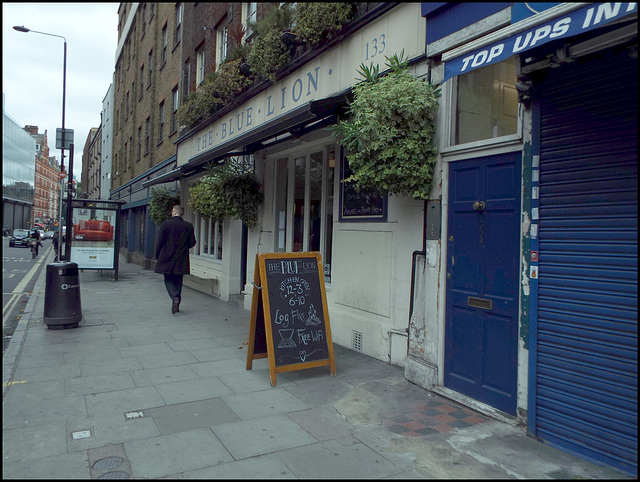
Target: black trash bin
{"type": "Point", "coordinates": [62, 308]}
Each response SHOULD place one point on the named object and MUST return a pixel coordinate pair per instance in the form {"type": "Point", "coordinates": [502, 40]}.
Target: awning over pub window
{"type": "Point", "coordinates": [563, 21]}
{"type": "Point", "coordinates": [296, 120]}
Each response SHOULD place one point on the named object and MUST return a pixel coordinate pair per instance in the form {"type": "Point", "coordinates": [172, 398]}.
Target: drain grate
{"type": "Point", "coordinates": [108, 463]}
{"type": "Point", "coordinates": [115, 475]}
{"type": "Point", "coordinates": [356, 340]}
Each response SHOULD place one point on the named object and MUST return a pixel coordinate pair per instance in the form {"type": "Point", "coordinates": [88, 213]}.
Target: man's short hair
{"type": "Point", "coordinates": [179, 210]}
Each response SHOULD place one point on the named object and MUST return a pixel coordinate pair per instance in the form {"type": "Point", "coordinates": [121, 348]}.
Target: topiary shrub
{"type": "Point", "coordinates": [389, 134]}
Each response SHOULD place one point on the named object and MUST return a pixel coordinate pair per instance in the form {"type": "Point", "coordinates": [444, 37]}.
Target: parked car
{"type": "Point", "coordinates": [20, 237]}
{"type": "Point", "coordinates": [49, 234]}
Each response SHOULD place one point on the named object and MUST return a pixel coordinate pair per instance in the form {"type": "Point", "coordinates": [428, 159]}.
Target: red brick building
{"type": "Point", "coordinates": [46, 186]}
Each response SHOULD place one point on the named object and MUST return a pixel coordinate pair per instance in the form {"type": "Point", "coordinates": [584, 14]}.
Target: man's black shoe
{"type": "Point", "coordinates": [175, 305]}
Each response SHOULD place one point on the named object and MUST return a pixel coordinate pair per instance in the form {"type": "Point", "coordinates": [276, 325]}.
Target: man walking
{"type": "Point", "coordinates": [175, 238]}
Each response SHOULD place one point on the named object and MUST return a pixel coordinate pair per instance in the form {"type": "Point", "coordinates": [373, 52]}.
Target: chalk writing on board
{"type": "Point", "coordinates": [302, 355]}
{"type": "Point", "coordinates": [296, 310]}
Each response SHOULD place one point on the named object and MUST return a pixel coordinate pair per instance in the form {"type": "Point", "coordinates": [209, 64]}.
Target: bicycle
{"type": "Point", "coordinates": [33, 244]}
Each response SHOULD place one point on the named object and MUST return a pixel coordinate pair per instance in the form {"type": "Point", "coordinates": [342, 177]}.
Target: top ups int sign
{"type": "Point", "coordinates": [573, 23]}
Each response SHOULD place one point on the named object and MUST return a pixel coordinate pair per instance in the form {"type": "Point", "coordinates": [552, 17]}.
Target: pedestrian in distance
{"type": "Point", "coordinates": [56, 241]}
{"type": "Point", "coordinates": [175, 238]}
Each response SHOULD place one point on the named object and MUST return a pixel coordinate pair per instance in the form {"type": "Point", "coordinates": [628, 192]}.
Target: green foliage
{"type": "Point", "coordinates": [390, 132]}
{"type": "Point", "coordinates": [161, 203]}
{"type": "Point", "coordinates": [315, 21]}
{"type": "Point", "coordinates": [268, 52]}
{"type": "Point", "coordinates": [217, 89]}
{"type": "Point", "coordinates": [224, 193]}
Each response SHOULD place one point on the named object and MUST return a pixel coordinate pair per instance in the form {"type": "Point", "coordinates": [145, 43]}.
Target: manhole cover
{"type": "Point", "coordinates": [108, 463]}
{"type": "Point", "coordinates": [118, 474]}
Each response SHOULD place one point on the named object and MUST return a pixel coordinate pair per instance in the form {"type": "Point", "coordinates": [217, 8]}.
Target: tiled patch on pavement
{"type": "Point", "coordinates": [433, 416]}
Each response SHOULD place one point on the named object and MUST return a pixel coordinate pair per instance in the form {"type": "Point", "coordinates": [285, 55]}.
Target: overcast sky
{"type": "Point", "coordinates": [32, 67]}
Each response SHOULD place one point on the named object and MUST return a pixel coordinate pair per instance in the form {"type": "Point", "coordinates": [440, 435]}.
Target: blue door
{"type": "Point", "coordinates": [481, 325]}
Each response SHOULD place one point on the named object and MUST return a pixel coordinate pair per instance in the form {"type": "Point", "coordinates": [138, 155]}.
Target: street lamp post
{"type": "Point", "coordinates": [64, 93]}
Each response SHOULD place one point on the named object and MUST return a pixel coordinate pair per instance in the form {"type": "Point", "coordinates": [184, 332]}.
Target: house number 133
{"type": "Point", "coordinates": [375, 47]}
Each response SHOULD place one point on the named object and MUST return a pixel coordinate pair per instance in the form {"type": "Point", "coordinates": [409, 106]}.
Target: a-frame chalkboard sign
{"type": "Point", "coordinates": [289, 316]}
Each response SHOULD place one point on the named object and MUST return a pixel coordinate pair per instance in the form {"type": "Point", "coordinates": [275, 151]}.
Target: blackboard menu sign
{"type": "Point", "coordinates": [363, 205]}
{"type": "Point", "coordinates": [289, 315]}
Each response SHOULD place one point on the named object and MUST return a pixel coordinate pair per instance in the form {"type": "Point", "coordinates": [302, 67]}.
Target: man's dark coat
{"type": "Point", "coordinates": [175, 238]}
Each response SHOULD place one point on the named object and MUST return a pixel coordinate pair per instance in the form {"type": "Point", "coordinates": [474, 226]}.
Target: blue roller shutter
{"type": "Point", "coordinates": [586, 382]}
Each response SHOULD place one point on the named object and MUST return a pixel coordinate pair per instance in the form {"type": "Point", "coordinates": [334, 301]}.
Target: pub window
{"type": "Point", "coordinates": [164, 44]}
{"type": "Point", "coordinates": [150, 68]}
{"type": "Point", "coordinates": [186, 78]}
{"type": "Point", "coordinates": [486, 103]}
{"type": "Point", "coordinates": [222, 42]}
{"type": "Point", "coordinates": [249, 14]}
{"type": "Point", "coordinates": [209, 237]}
{"type": "Point", "coordinates": [304, 203]}
{"type": "Point", "coordinates": [176, 37]}
{"type": "Point", "coordinates": [161, 120]}
{"type": "Point", "coordinates": [148, 136]}
{"type": "Point", "coordinates": [200, 65]}
{"type": "Point", "coordinates": [141, 81]}
{"type": "Point", "coordinates": [174, 114]}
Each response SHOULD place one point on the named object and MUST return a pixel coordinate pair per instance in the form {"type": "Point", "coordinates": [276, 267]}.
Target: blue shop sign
{"type": "Point", "coordinates": [573, 23]}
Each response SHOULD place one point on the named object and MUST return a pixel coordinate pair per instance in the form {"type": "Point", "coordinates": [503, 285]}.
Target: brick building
{"type": "Point", "coordinates": [145, 125]}
{"type": "Point", "coordinates": [46, 188]}
{"type": "Point", "coordinates": [91, 165]}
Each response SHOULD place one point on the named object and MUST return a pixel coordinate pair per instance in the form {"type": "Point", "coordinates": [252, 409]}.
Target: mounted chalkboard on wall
{"type": "Point", "coordinates": [289, 316]}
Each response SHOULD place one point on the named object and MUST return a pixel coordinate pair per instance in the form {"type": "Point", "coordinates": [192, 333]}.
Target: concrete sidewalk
{"type": "Point", "coordinates": [136, 392]}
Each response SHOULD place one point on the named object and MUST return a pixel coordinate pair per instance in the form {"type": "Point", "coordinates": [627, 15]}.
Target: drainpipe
{"type": "Point", "coordinates": [413, 266]}
{"type": "Point", "coordinates": [422, 252]}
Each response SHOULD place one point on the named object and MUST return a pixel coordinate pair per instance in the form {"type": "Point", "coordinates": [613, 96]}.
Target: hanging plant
{"type": "Point", "coordinates": [162, 201]}
{"type": "Point", "coordinates": [317, 21]}
{"type": "Point", "coordinates": [224, 193]}
{"type": "Point", "coordinates": [390, 132]}
{"type": "Point", "coordinates": [268, 52]}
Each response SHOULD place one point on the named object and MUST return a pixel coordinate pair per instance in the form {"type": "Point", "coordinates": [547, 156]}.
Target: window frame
{"type": "Point", "coordinates": [209, 237]}
{"type": "Point", "coordinates": [327, 187]}
{"type": "Point", "coordinates": [200, 65]}
{"type": "Point", "coordinates": [222, 41]}
{"type": "Point", "coordinates": [176, 104]}
{"type": "Point", "coordinates": [165, 42]}
{"type": "Point", "coordinates": [161, 121]}
{"type": "Point", "coordinates": [450, 103]}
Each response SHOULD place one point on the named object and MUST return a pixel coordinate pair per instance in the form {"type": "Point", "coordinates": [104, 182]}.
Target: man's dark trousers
{"type": "Point", "coordinates": [173, 282]}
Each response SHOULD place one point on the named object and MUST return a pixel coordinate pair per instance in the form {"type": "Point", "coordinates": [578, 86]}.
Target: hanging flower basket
{"type": "Point", "coordinates": [224, 193]}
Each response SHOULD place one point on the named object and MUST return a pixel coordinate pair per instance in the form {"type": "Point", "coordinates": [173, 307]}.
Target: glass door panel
{"type": "Point", "coordinates": [315, 200]}
{"type": "Point", "coordinates": [299, 166]}
{"type": "Point", "coordinates": [282, 186]}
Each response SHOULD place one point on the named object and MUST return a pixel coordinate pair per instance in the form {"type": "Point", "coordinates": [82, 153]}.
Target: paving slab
{"type": "Point", "coordinates": [259, 436]}
{"type": "Point", "coordinates": [332, 460]}
{"type": "Point", "coordinates": [183, 417]}
{"type": "Point", "coordinates": [122, 401]}
{"type": "Point", "coordinates": [261, 467]}
{"type": "Point", "coordinates": [192, 390]}
{"type": "Point", "coordinates": [175, 453]}
{"type": "Point", "coordinates": [73, 465]}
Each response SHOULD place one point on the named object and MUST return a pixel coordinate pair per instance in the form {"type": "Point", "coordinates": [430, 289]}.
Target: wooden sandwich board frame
{"type": "Point", "coordinates": [260, 343]}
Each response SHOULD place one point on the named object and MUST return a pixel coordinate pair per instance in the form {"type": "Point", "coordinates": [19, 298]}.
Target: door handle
{"type": "Point", "coordinates": [478, 205]}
